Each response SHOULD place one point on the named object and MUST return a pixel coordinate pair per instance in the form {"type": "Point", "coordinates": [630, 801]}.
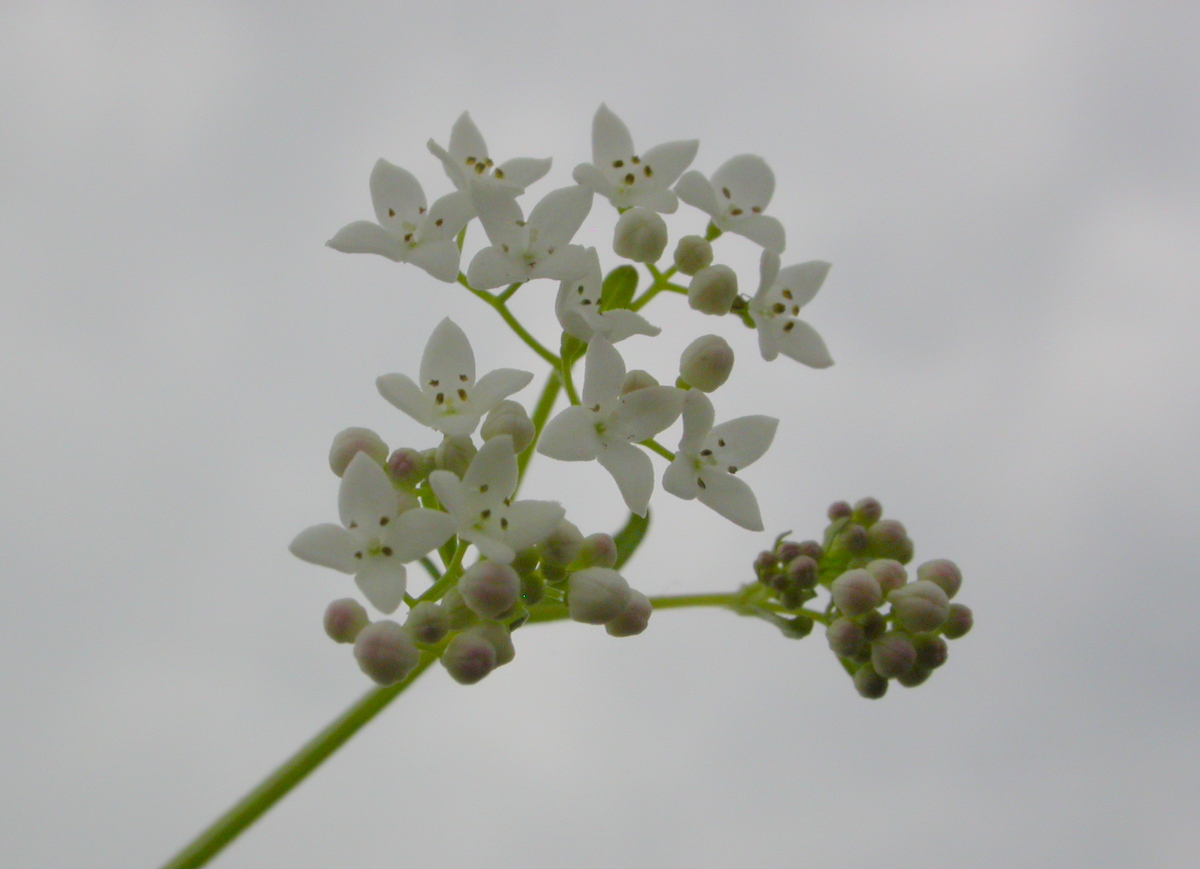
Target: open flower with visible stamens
{"type": "Point", "coordinates": [375, 538]}
{"type": "Point", "coordinates": [407, 231]}
{"type": "Point", "coordinates": [481, 506]}
{"type": "Point", "coordinates": [448, 398]}
{"type": "Point", "coordinates": [608, 424]}
{"type": "Point", "coordinates": [709, 456]}
{"type": "Point", "coordinates": [468, 165]}
{"type": "Point", "coordinates": [781, 294]}
{"type": "Point", "coordinates": [735, 199]}
{"type": "Point", "coordinates": [578, 309]}
{"type": "Point", "coordinates": [626, 179]}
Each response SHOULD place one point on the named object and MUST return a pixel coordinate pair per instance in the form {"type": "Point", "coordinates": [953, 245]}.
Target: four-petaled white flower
{"type": "Point", "coordinates": [627, 179]}
{"type": "Point", "coordinates": [781, 294]}
{"type": "Point", "coordinates": [448, 399]}
{"type": "Point", "coordinates": [468, 165]}
{"type": "Point", "coordinates": [481, 507]}
{"type": "Point", "coordinates": [578, 309]}
{"type": "Point", "coordinates": [709, 456]}
{"type": "Point", "coordinates": [735, 199]}
{"type": "Point", "coordinates": [407, 231]}
{"type": "Point", "coordinates": [377, 539]}
{"type": "Point", "coordinates": [526, 249]}
{"type": "Point", "coordinates": [608, 424]}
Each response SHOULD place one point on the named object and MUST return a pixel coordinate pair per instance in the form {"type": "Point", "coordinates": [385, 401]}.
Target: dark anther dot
{"type": "Point", "coordinates": [352, 524]}
{"type": "Point", "coordinates": [787, 294]}
{"type": "Point", "coordinates": [433, 383]}
{"type": "Point", "coordinates": [617, 164]}
{"type": "Point", "coordinates": [635, 159]}
{"type": "Point", "coordinates": [485, 514]}
{"type": "Point", "coordinates": [358, 555]}
{"type": "Point", "coordinates": [756, 209]}
{"type": "Point", "coordinates": [504, 524]}
{"type": "Point", "coordinates": [508, 502]}
{"type": "Point", "coordinates": [463, 378]}
{"type": "Point", "coordinates": [700, 483]}
{"type": "Point", "coordinates": [736, 212]}
{"type": "Point", "coordinates": [480, 168]}
{"type": "Point", "coordinates": [421, 209]}
{"type": "Point", "coordinates": [586, 302]}
{"type": "Point", "coordinates": [437, 222]}
{"type": "Point", "coordinates": [779, 307]}
{"type": "Point", "coordinates": [579, 289]}
{"type": "Point", "coordinates": [629, 179]}
{"type": "Point", "coordinates": [470, 161]}
{"type": "Point", "coordinates": [789, 325]}
{"type": "Point", "coordinates": [408, 237]}
{"type": "Point", "coordinates": [391, 212]}
{"type": "Point", "coordinates": [504, 248]}
{"type": "Point", "coordinates": [519, 222]}
{"type": "Point", "coordinates": [647, 171]}
{"type": "Point", "coordinates": [383, 520]}
{"type": "Point", "coordinates": [549, 250]}
{"type": "Point", "coordinates": [725, 190]}
{"type": "Point", "coordinates": [387, 550]}
{"type": "Point", "coordinates": [499, 173]}
{"type": "Point", "coordinates": [595, 408]}
{"type": "Point", "coordinates": [462, 394]}
{"type": "Point", "coordinates": [720, 442]}
{"type": "Point", "coordinates": [706, 452]}
{"type": "Point", "coordinates": [441, 398]}
{"type": "Point", "coordinates": [795, 310]}
{"type": "Point", "coordinates": [483, 488]}
{"type": "Point", "coordinates": [732, 469]}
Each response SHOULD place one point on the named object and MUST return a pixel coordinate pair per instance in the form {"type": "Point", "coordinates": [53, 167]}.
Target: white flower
{"type": "Point", "coordinates": [468, 165]}
{"type": "Point", "coordinates": [735, 199]}
{"type": "Point", "coordinates": [709, 456]}
{"type": "Point", "coordinates": [526, 249]}
{"type": "Point", "coordinates": [608, 424]}
{"type": "Point", "coordinates": [627, 179]}
{"type": "Point", "coordinates": [578, 308]}
{"type": "Point", "coordinates": [448, 399]}
{"type": "Point", "coordinates": [781, 294]}
{"type": "Point", "coordinates": [377, 539]}
{"type": "Point", "coordinates": [407, 231]}
{"type": "Point", "coordinates": [480, 504]}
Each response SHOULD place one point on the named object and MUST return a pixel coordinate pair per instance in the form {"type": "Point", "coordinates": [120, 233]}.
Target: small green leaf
{"type": "Point", "coordinates": [629, 538]}
{"type": "Point", "coordinates": [618, 288]}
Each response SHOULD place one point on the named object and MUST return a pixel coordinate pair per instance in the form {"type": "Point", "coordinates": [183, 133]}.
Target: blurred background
{"type": "Point", "coordinates": [1009, 195]}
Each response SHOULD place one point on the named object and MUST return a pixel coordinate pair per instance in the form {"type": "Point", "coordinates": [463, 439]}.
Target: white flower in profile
{"type": "Point", "coordinates": [709, 456]}
{"type": "Point", "coordinates": [481, 507]}
{"type": "Point", "coordinates": [523, 250]}
{"type": "Point", "coordinates": [735, 199]}
{"type": "Point", "coordinates": [375, 538]}
{"type": "Point", "coordinates": [468, 165]}
{"type": "Point", "coordinates": [608, 424]}
{"type": "Point", "coordinates": [448, 398]}
{"type": "Point", "coordinates": [781, 294]}
{"type": "Point", "coordinates": [578, 309]}
{"type": "Point", "coordinates": [407, 231]}
{"type": "Point", "coordinates": [626, 179]}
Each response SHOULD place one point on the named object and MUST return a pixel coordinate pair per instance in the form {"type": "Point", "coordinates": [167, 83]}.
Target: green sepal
{"type": "Point", "coordinates": [619, 286]}
{"type": "Point", "coordinates": [713, 232]}
{"type": "Point", "coordinates": [629, 538]}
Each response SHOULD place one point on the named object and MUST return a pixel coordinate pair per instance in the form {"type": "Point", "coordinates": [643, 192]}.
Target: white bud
{"type": "Point", "coordinates": [920, 606]}
{"type": "Point", "coordinates": [344, 619]}
{"type": "Point", "coordinates": [637, 379]}
{"type": "Point", "coordinates": [599, 550]}
{"type": "Point", "coordinates": [347, 444]}
{"type": "Point", "coordinates": [596, 595]}
{"type": "Point", "coordinates": [409, 467]}
{"type": "Point", "coordinates": [890, 573]}
{"type": "Point", "coordinates": [641, 235]}
{"type": "Point", "coordinates": [692, 254]}
{"type": "Point", "coordinates": [469, 657]}
{"type": "Point", "coordinates": [456, 610]}
{"type": "Point", "coordinates": [634, 619]}
{"type": "Point", "coordinates": [427, 622]}
{"type": "Point", "coordinates": [490, 588]}
{"type": "Point", "coordinates": [386, 652]}
{"type": "Point", "coordinates": [561, 545]}
{"type": "Point", "coordinates": [856, 592]}
{"type": "Point", "coordinates": [501, 639]}
{"type": "Point", "coordinates": [958, 621]}
{"type": "Point", "coordinates": [845, 638]}
{"type": "Point", "coordinates": [713, 290]}
{"type": "Point", "coordinates": [944, 572]}
{"type": "Point", "coordinates": [454, 454]}
{"type": "Point", "coordinates": [870, 684]}
{"type": "Point", "coordinates": [509, 418]}
{"type": "Point", "coordinates": [706, 363]}
{"type": "Point", "coordinates": [893, 655]}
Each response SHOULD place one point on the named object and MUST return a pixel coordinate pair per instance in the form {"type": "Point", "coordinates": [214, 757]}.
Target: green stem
{"type": "Point", "coordinates": [513, 323]}
{"type": "Point", "coordinates": [541, 413]}
{"type": "Point", "coordinates": [654, 445]}
{"type": "Point", "coordinates": [569, 382]}
{"type": "Point", "coordinates": [453, 572]}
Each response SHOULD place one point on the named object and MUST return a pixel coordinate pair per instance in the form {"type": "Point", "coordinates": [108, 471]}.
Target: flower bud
{"type": "Point", "coordinates": [712, 290]}
{"type": "Point", "coordinates": [958, 621]}
{"type": "Point", "coordinates": [856, 593]}
{"type": "Point", "coordinates": [533, 588]}
{"type": "Point", "coordinates": [386, 652]}
{"type": "Point", "coordinates": [874, 625]}
{"type": "Point", "coordinates": [469, 657]}
{"type": "Point", "coordinates": [596, 595]}
{"type": "Point", "coordinates": [914, 677]}
{"type": "Point", "coordinates": [641, 235]}
{"type": "Point", "coordinates": [344, 619]}
{"type": "Point", "coordinates": [889, 572]}
{"type": "Point", "coordinates": [867, 511]}
{"type": "Point", "coordinates": [854, 539]}
{"type": "Point", "coordinates": [888, 539]}
{"type": "Point", "coordinates": [454, 454]}
{"type": "Point", "coordinates": [845, 638]}
{"type": "Point", "coordinates": [348, 443]}
{"type": "Point", "coordinates": [692, 254]}
{"type": "Point", "coordinates": [599, 550]}
{"type": "Point", "coordinates": [765, 565]}
{"type": "Point", "coordinates": [919, 606]}
{"type": "Point", "coordinates": [706, 363]}
{"type": "Point", "coordinates": [456, 610]}
{"type": "Point", "coordinates": [802, 570]}
{"type": "Point", "coordinates": [501, 639]}
{"type": "Point", "coordinates": [944, 572]}
{"type": "Point", "coordinates": [812, 549]}
{"type": "Point", "coordinates": [562, 545]}
{"type": "Point", "coordinates": [409, 467]}
{"type": "Point", "coordinates": [787, 550]}
{"type": "Point", "coordinates": [633, 620]}
{"type": "Point", "coordinates": [797, 627]}
{"type": "Point", "coordinates": [932, 651]}
{"type": "Point", "coordinates": [554, 573]}
{"type": "Point", "coordinates": [637, 379]}
{"type": "Point", "coordinates": [870, 684]}
{"type": "Point", "coordinates": [509, 418]}
{"type": "Point", "coordinates": [427, 622]}
{"type": "Point", "coordinates": [838, 510]}
{"type": "Point", "coordinates": [893, 654]}
{"type": "Point", "coordinates": [490, 588]}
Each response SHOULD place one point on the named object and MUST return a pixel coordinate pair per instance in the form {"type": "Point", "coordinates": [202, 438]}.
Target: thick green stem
{"type": "Point", "coordinates": [513, 323]}
{"type": "Point", "coordinates": [541, 413]}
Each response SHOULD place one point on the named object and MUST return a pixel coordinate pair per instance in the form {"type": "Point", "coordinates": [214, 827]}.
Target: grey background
{"type": "Point", "coordinates": [1008, 193]}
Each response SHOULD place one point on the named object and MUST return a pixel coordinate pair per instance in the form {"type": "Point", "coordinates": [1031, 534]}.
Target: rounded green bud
{"type": "Point", "coordinates": [454, 454]}
{"type": "Point", "coordinates": [427, 622]}
{"type": "Point", "coordinates": [854, 539]}
{"type": "Point", "coordinates": [845, 638]}
{"type": "Point", "coordinates": [692, 254]}
{"type": "Point", "coordinates": [706, 363]}
{"type": "Point", "coordinates": [869, 684]}
{"type": "Point", "coordinates": [874, 625]}
{"type": "Point", "coordinates": [633, 619]}
{"type": "Point", "coordinates": [812, 549]}
{"type": "Point", "coordinates": [856, 593]}
{"type": "Point", "coordinates": [932, 651]}
{"type": "Point", "coordinates": [501, 639]}
{"type": "Point", "coordinates": [469, 657]}
{"type": "Point", "coordinates": [958, 621]}
{"type": "Point", "coordinates": [838, 510]}
{"type": "Point", "coordinates": [867, 511]}
{"type": "Point", "coordinates": [712, 290]}
{"type": "Point", "coordinates": [344, 619]}
{"type": "Point", "coordinates": [350, 442]}
{"type": "Point", "coordinates": [554, 573]}
{"type": "Point", "coordinates": [490, 588]}
{"type": "Point", "coordinates": [641, 235]}
{"type": "Point", "coordinates": [802, 570]}
{"type": "Point", "coordinates": [386, 652]}
{"type": "Point", "coordinates": [920, 606]}
{"type": "Point", "coordinates": [509, 418]}
{"type": "Point", "coordinates": [888, 539]}
{"type": "Point", "coordinates": [533, 588]}
{"type": "Point", "coordinates": [914, 677]}
{"type": "Point", "coordinates": [765, 565]}
{"type": "Point", "coordinates": [637, 379]}
{"type": "Point", "coordinates": [797, 627]}
{"type": "Point", "coordinates": [944, 572]}
{"type": "Point", "coordinates": [526, 561]}
{"type": "Point", "coordinates": [456, 610]}
{"type": "Point", "coordinates": [409, 467]}
{"type": "Point", "coordinates": [890, 573]}
{"type": "Point", "coordinates": [562, 545]}
{"type": "Point", "coordinates": [787, 550]}
{"type": "Point", "coordinates": [596, 595]}
{"type": "Point", "coordinates": [598, 550]}
{"type": "Point", "coordinates": [893, 654]}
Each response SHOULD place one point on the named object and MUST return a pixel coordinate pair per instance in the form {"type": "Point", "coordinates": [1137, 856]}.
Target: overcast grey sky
{"type": "Point", "coordinates": [1009, 195]}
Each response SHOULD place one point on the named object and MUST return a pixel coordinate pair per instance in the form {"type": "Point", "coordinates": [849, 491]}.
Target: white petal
{"type": "Point", "coordinates": [603, 374]}
{"type": "Point", "coordinates": [610, 137]}
{"type": "Point", "coordinates": [803, 280]}
{"type": "Point", "coordinates": [407, 396]}
{"type": "Point", "coordinates": [745, 439]}
{"type": "Point", "coordinates": [589, 176]}
{"type": "Point", "coordinates": [698, 418]}
{"type": "Point", "coordinates": [366, 495]}
{"type": "Point", "coordinates": [620, 323]}
{"type": "Point", "coordinates": [523, 171]}
{"type": "Point", "coordinates": [803, 344]}
{"type": "Point", "coordinates": [560, 214]}
{"type": "Point", "coordinates": [454, 210]}
{"type": "Point", "coordinates": [643, 413]}
{"type": "Point", "coordinates": [466, 140]}
{"type": "Point", "coordinates": [397, 197]}
{"type": "Point", "coordinates": [382, 580]}
{"type": "Point", "coordinates": [657, 199]}
{"type": "Point", "coordinates": [499, 213]}
{"type": "Point", "coordinates": [768, 270]}
{"type": "Point", "coordinates": [760, 229]}
{"type": "Point", "coordinates": [749, 180]}
{"type": "Point", "coordinates": [566, 263]}
{"type": "Point", "coordinates": [362, 236]}
{"type": "Point", "coordinates": [530, 522]}
{"type": "Point", "coordinates": [680, 478]}
{"type": "Point", "coordinates": [767, 343]}
{"type": "Point", "coordinates": [417, 532]}
{"type": "Point", "coordinates": [489, 547]}
{"type": "Point", "coordinates": [495, 386]}
{"type": "Point", "coordinates": [453, 172]}
{"type": "Point", "coordinates": [439, 258]}
{"type": "Point", "coordinates": [328, 545]}
{"type": "Point", "coordinates": [570, 436]}
{"type": "Point", "coordinates": [732, 498]}
{"type": "Point", "coordinates": [455, 419]}
{"type": "Point", "coordinates": [670, 159]}
{"type": "Point", "coordinates": [491, 268]}
{"type": "Point", "coordinates": [448, 363]}
{"type": "Point", "coordinates": [634, 474]}
{"type": "Point", "coordinates": [450, 494]}
{"type": "Point", "coordinates": [694, 189]}
{"type": "Point", "coordinates": [492, 475]}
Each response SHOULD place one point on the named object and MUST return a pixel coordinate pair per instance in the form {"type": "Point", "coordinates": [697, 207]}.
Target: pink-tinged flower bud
{"type": "Point", "coordinates": [344, 619]}
{"type": "Point", "coordinates": [509, 418]}
{"type": "Point", "coordinates": [889, 572]}
{"type": "Point", "coordinates": [713, 290]}
{"type": "Point", "coordinates": [427, 622]}
{"type": "Point", "coordinates": [469, 657]}
{"type": "Point", "coordinates": [501, 639]}
{"type": "Point", "coordinates": [856, 593]}
{"type": "Point", "coordinates": [706, 363]}
{"type": "Point", "coordinates": [599, 550]}
{"type": "Point", "coordinates": [869, 684]}
{"type": "Point", "coordinates": [914, 677]}
{"type": "Point", "coordinates": [867, 511]}
{"type": "Point", "coordinates": [460, 615]}
{"type": "Point", "coordinates": [562, 545]}
{"type": "Point", "coordinates": [637, 379]}
{"type": "Point", "coordinates": [352, 441]}
{"type": "Point", "coordinates": [409, 467]}
{"type": "Point", "coordinates": [920, 606]}
{"type": "Point", "coordinates": [454, 454]}
{"type": "Point", "coordinates": [958, 621]}
{"type": "Point", "coordinates": [812, 549]}
{"type": "Point", "coordinates": [765, 565]}
{"type": "Point", "coordinates": [634, 619]}
{"type": "Point", "coordinates": [641, 235]}
{"type": "Point", "coordinates": [838, 510]}
{"type": "Point", "coordinates": [490, 588]}
{"type": "Point", "coordinates": [874, 625]}
{"type": "Point", "coordinates": [787, 550]}
{"type": "Point", "coordinates": [944, 572]}
{"type": "Point", "coordinates": [932, 651]}
{"type": "Point", "coordinates": [854, 539]}
{"type": "Point", "coordinates": [802, 571]}
{"type": "Point", "coordinates": [845, 638]}
{"type": "Point", "coordinates": [893, 654]}
{"type": "Point", "coordinates": [386, 652]}
{"type": "Point", "coordinates": [596, 595]}
{"type": "Point", "coordinates": [888, 539]}
{"type": "Point", "coordinates": [692, 254]}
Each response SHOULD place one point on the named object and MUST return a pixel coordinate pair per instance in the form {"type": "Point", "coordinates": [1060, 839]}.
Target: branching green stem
{"type": "Point", "coordinates": [654, 445]}
{"type": "Point", "coordinates": [497, 302]}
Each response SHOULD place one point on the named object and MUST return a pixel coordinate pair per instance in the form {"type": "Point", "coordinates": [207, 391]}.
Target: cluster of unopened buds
{"type": "Point", "coordinates": [502, 562]}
